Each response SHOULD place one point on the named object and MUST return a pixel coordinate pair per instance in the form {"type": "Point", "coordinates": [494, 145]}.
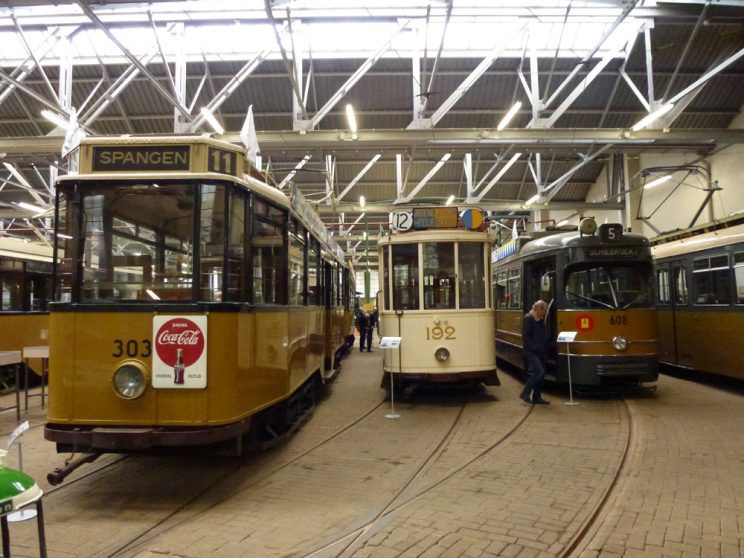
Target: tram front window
{"type": "Point", "coordinates": [405, 277]}
{"type": "Point", "coordinates": [614, 286]}
{"type": "Point", "coordinates": [138, 241]}
{"type": "Point", "coordinates": [439, 275]}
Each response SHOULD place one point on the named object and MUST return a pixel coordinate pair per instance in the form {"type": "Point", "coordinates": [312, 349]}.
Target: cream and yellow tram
{"type": "Point", "coordinates": [700, 297]}
{"type": "Point", "coordinates": [599, 286]}
{"type": "Point", "coordinates": [434, 264]}
{"type": "Point", "coordinates": [195, 303]}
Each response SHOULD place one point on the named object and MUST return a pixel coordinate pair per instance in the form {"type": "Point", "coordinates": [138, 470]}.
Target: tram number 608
{"type": "Point", "coordinates": [618, 320]}
{"type": "Point", "coordinates": [436, 333]}
{"type": "Point", "coordinates": [132, 348]}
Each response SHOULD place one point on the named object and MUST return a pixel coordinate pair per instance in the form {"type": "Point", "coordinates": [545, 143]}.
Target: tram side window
{"type": "Point", "coordinates": [405, 277]}
{"type": "Point", "coordinates": [662, 281]}
{"type": "Point", "coordinates": [502, 301]}
{"type": "Point", "coordinates": [314, 278]}
{"type": "Point", "coordinates": [711, 280]}
{"type": "Point", "coordinates": [514, 289]}
{"type": "Point", "coordinates": [63, 252]}
{"type": "Point", "coordinates": [235, 270]}
{"type": "Point", "coordinates": [739, 276]}
{"type": "Point", "coordinates": [11, 291]}
{"type": "Point", "coordinates": [212, 226]}
{"type": "Point", "coordinates": [296, 264]}
{"type": "Point", "coordinates": [269, 268]}
{"type": "Point", "coordinates": [679, 274]}
{"type": "Point", "coordinates": [472, 275]}
{"type": "Point", "coordinates": [439, 275]}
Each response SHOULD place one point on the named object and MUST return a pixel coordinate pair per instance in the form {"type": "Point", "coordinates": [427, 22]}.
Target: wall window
{"type": "Point", "coordinates": [711, 280]}
{"type": "Point", "coordinates": [472, 275]}
{"type": "Point", "coordinates": [439, 275]}
{"type": "Point", "coordinates": [405, 276]}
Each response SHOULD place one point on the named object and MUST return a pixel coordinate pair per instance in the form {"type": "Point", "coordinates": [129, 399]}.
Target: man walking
{"type": "Point", "coordinates": [535, 346]}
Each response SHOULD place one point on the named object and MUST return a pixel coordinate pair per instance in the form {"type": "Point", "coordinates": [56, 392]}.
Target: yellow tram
{"type": "Point", "coordinates": [700, 278]}
{"type": "Point", "coordinates": [434, 265]}
{"type": "Point", "coordinates": [195, 302]}
{"type": "Point", "coordinates": [599, 285]}
{"type": "Point", "coordinates": [25, 290]}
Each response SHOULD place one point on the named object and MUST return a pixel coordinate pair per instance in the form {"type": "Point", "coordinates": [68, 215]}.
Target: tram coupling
{"type": "Point", "coordinates": [60, 473]}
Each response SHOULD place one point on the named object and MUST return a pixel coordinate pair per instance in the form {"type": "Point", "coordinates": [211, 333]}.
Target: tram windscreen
{"type": "Point", "coordinates": [614, 286]}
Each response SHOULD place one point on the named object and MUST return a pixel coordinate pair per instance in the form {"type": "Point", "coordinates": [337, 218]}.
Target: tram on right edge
{"type": "Point", "coordinates": [599, 283]}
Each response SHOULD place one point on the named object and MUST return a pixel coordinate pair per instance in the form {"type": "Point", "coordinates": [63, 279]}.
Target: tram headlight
{"type": "Point", "coordinates": [442, 354]}
{"type": "Point", "coordinates": [620, 343]}
{"type": "Point", "coordinates": [129, 381]}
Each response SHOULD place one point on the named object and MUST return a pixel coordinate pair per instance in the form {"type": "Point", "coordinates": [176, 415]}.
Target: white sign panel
{"type": "Point", "coordinates": [567, 336]}
{"type": "Point", "coordinates": [390, 342]}
{"type": "Point", "coordinates": [401, 221]}
{"type": "Point", "coordinates": [179, 358]}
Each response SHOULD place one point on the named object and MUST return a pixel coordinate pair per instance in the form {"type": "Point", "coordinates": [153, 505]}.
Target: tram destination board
{"type": "Point", "coordinates": [141, 158]}
{"type": "Point", "coordinates": [435, 218]}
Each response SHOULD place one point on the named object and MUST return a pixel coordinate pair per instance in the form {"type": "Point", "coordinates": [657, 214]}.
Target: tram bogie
{"type": "Point", "coordinates": [598, 285]}
{"type": "Point", "coordinates": [196, 305]}
{"type": "Point", "coordinates": [435, 298]}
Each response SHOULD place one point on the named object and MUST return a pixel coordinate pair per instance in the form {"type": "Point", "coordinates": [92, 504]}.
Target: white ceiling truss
{"type": "Point", "coordinates": [428, 82]}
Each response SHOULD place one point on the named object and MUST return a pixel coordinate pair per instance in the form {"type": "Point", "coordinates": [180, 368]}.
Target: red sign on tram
{"type": "Point", "coordinates": [179, 359]}
{"type": "Point", "coordinates": [584, 322]}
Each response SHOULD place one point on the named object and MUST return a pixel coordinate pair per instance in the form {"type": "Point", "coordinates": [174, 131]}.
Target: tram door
{"type": "Point", "coordinates": [540, 284]}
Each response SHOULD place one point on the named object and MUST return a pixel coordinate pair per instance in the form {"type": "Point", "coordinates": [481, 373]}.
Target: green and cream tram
{"type": "Point", "coordinates": [435, 297]}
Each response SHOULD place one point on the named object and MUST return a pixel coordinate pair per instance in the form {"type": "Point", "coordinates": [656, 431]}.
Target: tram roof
{"type": "Point", "coordinates": [547, 240]}
{"type": "Point", "coordinates": [436, 235]}
{"type": "Point", "coordinates": [700, 242]}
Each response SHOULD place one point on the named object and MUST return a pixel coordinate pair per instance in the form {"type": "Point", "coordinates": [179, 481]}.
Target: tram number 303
{"type": "Point", "coordinates": [436, 333]}
{"type": "Point", "coordinates": [132, 348]}
{"type": "Point", "coordinates": [619, 320]}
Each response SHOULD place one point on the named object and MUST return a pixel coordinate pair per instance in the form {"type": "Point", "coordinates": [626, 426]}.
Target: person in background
{"type": "Point", "coordinates": [535, 346]}
{"type": "Point", "coordinates": [376, 320]}
{"type": "Point", "coordinates": [365, 327]}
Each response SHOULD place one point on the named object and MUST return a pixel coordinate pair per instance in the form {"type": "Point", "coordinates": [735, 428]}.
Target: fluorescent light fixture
{"type": "Point", "coordinates": [351, 117]}
{"type": "Point", "coordinates": [561, 223]}
{"type": "Point", "coordinates": [450, 199]}
{"type": "Point", "coordinates": [445, 157]}
{"type": "Point", "coordinates": [31, 207]}
{"type": "Point", "coordinates": [362, 202]}
{"type": "Point", "coordinates": [56, 119]}
{"type": "Point", "coordinates": [65, 236]}
{"type": "Point", "coordinates": [509, 115]}
{"type": "Point", "coordinates": [211, 120]}
{"type": "Point", "coordinates": [646, 120]}
{"type": "Point", "coordinates": [532, 200]}
{"type": "Point", "coordinates": [152, 295]}
{"type": "Point", "coordinates": [658, 181]}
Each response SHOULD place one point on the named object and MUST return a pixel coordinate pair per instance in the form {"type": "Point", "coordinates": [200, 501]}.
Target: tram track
{"type": "Point", "coordinates": [350, 542]}
{"type": "Point", "coordinates": [179, 516]}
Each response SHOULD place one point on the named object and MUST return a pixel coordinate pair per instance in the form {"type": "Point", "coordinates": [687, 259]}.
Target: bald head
{"type": "Point", "coordinates": [539, 309]}
{"type": "Point", "coordinates": [540, 305]}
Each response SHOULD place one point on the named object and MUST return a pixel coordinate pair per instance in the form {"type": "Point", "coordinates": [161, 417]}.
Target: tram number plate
{"type": "Point", "coordinates": [619, 320]}
{"type": "Point", "coordinates": [132, 348]}
{"type": "Point", "coordinates": [436, 333]}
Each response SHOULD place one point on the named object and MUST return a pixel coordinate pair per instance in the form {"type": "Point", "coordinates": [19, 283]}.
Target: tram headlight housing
{"type": "Point", "coordinates": [442, 354]}
{"type": "Point", "coordinates": [620, 343]}
{"type": "Point", "coordinates": [129, 380]}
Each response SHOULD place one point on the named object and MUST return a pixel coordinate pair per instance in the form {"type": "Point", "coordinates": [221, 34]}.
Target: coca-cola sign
{"type": "Point", "coordinates": [179, 358]}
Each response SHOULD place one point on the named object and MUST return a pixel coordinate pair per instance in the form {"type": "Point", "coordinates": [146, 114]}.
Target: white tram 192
{"type": "Point", "coordinates": [434, 295]}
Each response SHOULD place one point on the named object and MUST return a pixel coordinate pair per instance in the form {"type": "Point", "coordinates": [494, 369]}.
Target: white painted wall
{"type": "Point", "coordinates": [673, 204]}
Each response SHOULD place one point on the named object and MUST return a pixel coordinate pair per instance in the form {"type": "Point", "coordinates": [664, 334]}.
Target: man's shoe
{"type": "Point", "coordinates": [526, 398]}
{"type": "Point", "coordinates": [541, 402]}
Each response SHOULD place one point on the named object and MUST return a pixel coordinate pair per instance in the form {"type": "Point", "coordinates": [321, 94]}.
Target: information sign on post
{"type": "Point", "coordinates": [392, 343]}
{"type": "Point", "coordinates": [568, 337]}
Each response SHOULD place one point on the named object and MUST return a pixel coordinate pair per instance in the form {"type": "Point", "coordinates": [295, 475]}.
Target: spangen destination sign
{"type": "Point", "coordinates": [141, 158]}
